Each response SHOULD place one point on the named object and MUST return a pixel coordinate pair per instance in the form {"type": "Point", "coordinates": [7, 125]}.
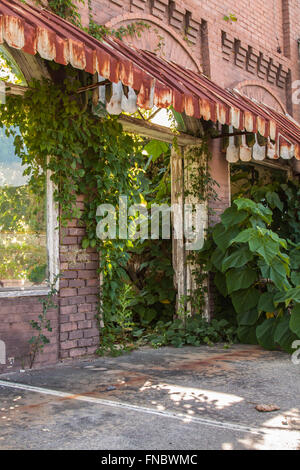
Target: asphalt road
{"type": "Point", "coordinates": [174, 399]}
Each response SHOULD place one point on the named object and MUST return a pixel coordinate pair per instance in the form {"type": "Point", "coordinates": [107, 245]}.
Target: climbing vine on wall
{"type": "Point", "coordinates": [84, 154]}
{"type": "Point", "coordinates": [69, 10]}
{"type": "Point", "coordinates": [66, 9]}
{"type": "Point", "coordinates": [94, 157]}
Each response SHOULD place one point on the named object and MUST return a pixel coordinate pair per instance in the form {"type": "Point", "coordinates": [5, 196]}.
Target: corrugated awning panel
{"type": "Point", "coordinates": [155, 80]}
{"type": "Point", "coordinates": [258, 151]}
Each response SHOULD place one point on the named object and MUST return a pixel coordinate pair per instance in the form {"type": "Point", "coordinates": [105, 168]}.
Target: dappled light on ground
{"type": "Point", "coordinates": [179, 394]}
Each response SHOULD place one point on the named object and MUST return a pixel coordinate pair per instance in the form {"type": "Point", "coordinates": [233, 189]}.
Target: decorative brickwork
{"type": "Point", "coordinates": [252, 60]}
{"type": "Point", "coordinates": [192, 29]}
{"type": "Point", "coordinates": [161, 39]}
{"type": "Point", "coordinates": [177, 16]}
{"type": "Point", "coordinates": [262, 93]}
{"type": "Point", "coordinates": [118, 2]}
{"type": "Point", "coordinates": [160, 8]}
{"type": "Point", "coordinates": [137, 5]}
{"type": "Point", "coordinates": [255, 62]}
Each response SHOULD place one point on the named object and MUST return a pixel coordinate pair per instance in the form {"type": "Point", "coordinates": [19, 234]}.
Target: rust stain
{"type": "Point", "coordinates": [13, 32]}
{"type": "Point", "coordinates": [126, 379]}
{"type": "Point", "coordinates": [77, 54]}
{"type": "Point", "coordinates": [221, 113]}
{"type": "Point", "coordinates": [46, 44]}
{"type": "Point", "coordinates": [222, 362]}
{"type": "Point", "coordinates": [234, 118]}
{"type": "Point", "coordinates": [261, 126]}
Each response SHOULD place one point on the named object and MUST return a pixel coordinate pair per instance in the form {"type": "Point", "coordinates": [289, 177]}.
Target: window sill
{"type": "Point", "coordinates": [25, 293]}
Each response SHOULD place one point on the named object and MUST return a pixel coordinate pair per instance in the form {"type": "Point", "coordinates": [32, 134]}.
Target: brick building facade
{"type": "Point", "coordinates": [257, 54]}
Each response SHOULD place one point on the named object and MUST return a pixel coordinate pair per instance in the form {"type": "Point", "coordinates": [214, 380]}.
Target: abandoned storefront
{"type": "Point", "coordinates": [165, 64]}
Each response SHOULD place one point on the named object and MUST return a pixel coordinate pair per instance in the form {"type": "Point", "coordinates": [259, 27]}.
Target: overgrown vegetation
{"type": "Point", "coordinates": [94, 157]}
{"type": "Point", "coordinates": [254, 253]}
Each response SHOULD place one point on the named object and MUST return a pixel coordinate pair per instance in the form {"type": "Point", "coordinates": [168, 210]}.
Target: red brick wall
{"type": "Point", "coordinates": [16, 331]}
{"type": "Point", "coordinates": [74, 325]}
{"type": "Point", "coordinates": [249, 50]}
{"type": "Point", "coordinates": [79, 290]}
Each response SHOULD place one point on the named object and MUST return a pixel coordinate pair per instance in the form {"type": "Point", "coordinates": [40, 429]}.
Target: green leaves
{"type": "Point", "coordinates": [230, 17]}
{"type": "Point", "coordinates": [155, 148]}
{"type": "Point", "coordinates": [85, 243]}
{"type": "Point", "coordinates": [294, 322]}
{"type": "Point", "coordinates": [245, 299]}
{"type": "Point", "coordinates": [295, 258]}
{"type": "Point", "coordinates": [266, 302]}
{"type": "Point", "coordinates": [247, 334]}
{"type": "Point", "coordinates": [254, 209]}
{"type": "Point", "coordinates": [217, 259]}
{"type": "Point", "coordinates": [253, 271]}
{"type": "Point", "coordinates": [262, 242]}
{"type": "Point", "coordinates": [264, 246]}
{"type": "Point", "coordinates": [283, 336]}
{"type": "Point", "coordinates": [237, 279]}
{"type": "Point", "coordinates": [220, 282]}
{"type": "Point", "coordinates": [273, 200]}
{"type": "Point", "coordinates": [223, 237]}
{"type": "Point", "coordinates": [248, 318]}
{"type": "Point", "coordinates": [237, 259]}
{"type": "Point", "coordinates": [295, 278]}
{"type": "Point", "coordinates": [277, 272]}
{"type": "Point", "coordinates": [233, 216]}
{"type": "Point", "coordinates": [245, 236]}
{"type": "Point", "coordinates": [288, 296]}
{"type": "Point", "coordinates": [265, 333]}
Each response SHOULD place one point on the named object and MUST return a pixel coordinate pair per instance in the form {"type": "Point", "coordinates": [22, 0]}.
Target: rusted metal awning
{"type": "Point", "coordinates": [156, 81]}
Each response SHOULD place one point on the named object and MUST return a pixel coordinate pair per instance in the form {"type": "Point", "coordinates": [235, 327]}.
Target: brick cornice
{"type": "Point", "coordinates": [232, 32]}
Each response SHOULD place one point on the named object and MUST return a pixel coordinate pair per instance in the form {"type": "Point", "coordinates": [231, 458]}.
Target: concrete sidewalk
{"type": "Point", "coordinates": [176, 399]}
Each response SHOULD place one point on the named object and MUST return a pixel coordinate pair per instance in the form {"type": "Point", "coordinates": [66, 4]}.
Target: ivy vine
{"type": "Point", "coordinates": [94, 157]}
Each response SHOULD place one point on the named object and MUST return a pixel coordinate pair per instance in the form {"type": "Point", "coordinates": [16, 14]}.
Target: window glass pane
{"type": "Point", "coordinates": [9, 71]}
{"type": "Point", "coordinates": [23, 249]}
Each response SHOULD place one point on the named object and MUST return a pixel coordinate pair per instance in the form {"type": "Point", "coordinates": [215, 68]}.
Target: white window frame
{"type": "Point", "coordinates": [52, 237]}
{"type": "Point", "coordinates": [52, 230]}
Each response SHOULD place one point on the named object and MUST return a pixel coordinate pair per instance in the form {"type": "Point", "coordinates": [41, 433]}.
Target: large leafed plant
{"type": "Point", "coordinates": [258, 272]}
